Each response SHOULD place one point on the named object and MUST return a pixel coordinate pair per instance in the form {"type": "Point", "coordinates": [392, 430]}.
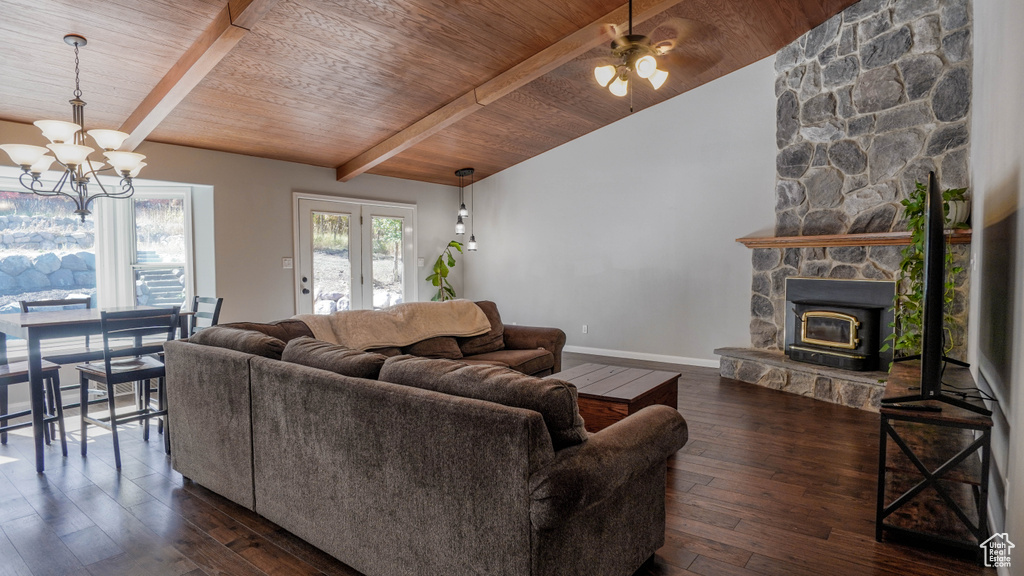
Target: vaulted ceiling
{"type": "Point", "coordinates": [412, 89]}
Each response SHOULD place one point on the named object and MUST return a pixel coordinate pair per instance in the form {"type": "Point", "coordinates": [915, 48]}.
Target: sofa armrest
{"type": "Point", "coordinates": [531, 337]}
{"type": "Point", "coordinates": [584, 475]}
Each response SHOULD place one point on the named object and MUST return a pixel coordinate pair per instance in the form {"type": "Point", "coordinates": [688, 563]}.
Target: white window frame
{"type": "Point", "coordinates": [412, 283]}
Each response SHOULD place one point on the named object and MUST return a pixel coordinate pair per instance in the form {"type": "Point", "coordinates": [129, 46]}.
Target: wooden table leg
{"type": "Point", "coordinates": [35, 376]}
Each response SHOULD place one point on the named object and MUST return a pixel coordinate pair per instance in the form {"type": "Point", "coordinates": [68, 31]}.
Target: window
{"type": "Point", "coordinates": [136, 251]}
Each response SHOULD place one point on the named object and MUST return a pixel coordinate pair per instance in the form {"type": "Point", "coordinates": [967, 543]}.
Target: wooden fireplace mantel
{"type": "Point", "coordinates": [870, 239]}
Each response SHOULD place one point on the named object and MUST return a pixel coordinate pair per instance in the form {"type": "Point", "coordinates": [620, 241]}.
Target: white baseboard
{"type": "Point", "coordinates": [643, 356]}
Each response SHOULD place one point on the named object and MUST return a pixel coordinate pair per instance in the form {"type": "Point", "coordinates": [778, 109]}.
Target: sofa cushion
{"type": "Point", "coordinates": [554, 399]}
{"type": "Point", "coordinates": [439, 347]}
{"type": "Point", "coordinates": [387, 351]}
{"type": "Point", "coordinates": [248, 341]}
{"type": "Point", "coordinates": [492, 340]}
{"type": "Point", "coordinates": [525, 361]}
{"type": "Point", "coordinates": [282, 329]}
{"type": "Point", "coordinates": [326, 356]}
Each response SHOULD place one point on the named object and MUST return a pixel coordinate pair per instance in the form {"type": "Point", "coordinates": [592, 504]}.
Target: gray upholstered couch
{"type": "Point", "coordinates": [409, 474]}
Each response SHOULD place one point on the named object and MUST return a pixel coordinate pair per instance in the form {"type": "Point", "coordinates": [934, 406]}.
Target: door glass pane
{"type": "Point", "coordinates": [332, 270]}
{"type": "Point", "coordinates": [388, 287]}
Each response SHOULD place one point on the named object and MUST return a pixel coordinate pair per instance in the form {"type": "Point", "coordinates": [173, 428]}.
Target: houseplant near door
{"type": "Point", "coordinates": [439, 278]}
{"type": "Point", "coordinates": [908, 303]}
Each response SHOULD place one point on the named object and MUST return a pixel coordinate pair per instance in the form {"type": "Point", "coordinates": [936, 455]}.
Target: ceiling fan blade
{"type": "Point", "coordinates": [688, 63]}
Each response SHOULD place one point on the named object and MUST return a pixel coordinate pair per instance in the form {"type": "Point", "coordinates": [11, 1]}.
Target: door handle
{"type": "Point", "coordinates": [305, 290]}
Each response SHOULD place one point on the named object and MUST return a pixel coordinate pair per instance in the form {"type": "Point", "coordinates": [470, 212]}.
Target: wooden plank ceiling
{"type": "Point", "coordinates": [412, 89]}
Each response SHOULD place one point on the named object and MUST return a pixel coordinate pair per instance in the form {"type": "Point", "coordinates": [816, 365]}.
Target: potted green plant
{"type": "Point", "coordinates": [908, 302]}
{"type": "Point", "coordinates": [442, 266]}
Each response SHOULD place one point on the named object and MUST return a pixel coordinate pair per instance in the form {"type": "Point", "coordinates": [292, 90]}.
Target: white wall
{"type": "Point", "coordinates": [631, 229]}
{"type": "Point", "coordinates": [252, 216]}
{"type": "Point", "coordinates": [997, 300]}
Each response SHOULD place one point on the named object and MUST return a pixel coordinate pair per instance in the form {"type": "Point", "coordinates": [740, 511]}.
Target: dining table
{"type": "Point", "coordinates": [34, 328]}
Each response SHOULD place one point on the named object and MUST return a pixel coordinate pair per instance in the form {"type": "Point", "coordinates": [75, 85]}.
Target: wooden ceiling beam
{"type": "Point", "coordinates": [559, 53]}
{"type": "Point", "coordinates": [223, 34]}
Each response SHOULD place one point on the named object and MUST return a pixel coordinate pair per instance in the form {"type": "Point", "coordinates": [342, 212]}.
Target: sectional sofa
{"type": "Point", "coordinates": [416, 466]}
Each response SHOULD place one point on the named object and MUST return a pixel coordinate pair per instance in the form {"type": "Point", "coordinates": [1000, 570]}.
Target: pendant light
{"type": "Point", "coordinates": [460, 226]}
{"type": "Point", "coordinates": [471, 246]}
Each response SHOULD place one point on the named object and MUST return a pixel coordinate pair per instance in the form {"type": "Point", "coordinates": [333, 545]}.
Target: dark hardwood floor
{"type": "Point", "coordinates": [769, 483]}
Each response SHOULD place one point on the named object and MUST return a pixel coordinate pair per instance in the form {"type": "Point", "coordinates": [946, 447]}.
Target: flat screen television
{"type": "Point", "coordinates": [933, 361]}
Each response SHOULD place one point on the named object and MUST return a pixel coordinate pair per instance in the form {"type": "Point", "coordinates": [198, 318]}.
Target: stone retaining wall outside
{"type": "Point", "coordinates": [20, 274]}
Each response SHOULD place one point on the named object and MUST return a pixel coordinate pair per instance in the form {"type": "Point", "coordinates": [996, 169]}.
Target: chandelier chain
{"type": "Point", "coordinates": [78, 87]}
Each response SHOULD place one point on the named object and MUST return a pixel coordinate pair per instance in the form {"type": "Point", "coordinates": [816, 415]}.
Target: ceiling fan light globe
{"type": "Point", "coordinates": [604, 74]}
{"type": "Point", "coordinates": [646, 66]}
{"type": "Point", "coordinates": [658, 78]}
{"type": "Point", "coordinates": [58, 131]}
{"type": "Point", "coordinates": [70, 154]}
{"type": "Point", "coordinates": [24, 154]}
{"type": "Point", "coordinates": [619, 87]}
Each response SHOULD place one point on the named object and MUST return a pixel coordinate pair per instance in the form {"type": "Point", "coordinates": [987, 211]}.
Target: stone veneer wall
{"type": "Point", "coordinates": [868, 103]}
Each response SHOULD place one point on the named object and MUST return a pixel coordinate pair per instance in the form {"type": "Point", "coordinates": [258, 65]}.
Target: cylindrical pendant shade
{"type": "Point", "coordinates": [460, 226]}
{"type": "Point", "coordinates": [24, 154]}
{"type": "Point", "coordinates": [471, 245]}
{"type": "Point", "coordinates": [58, 131]}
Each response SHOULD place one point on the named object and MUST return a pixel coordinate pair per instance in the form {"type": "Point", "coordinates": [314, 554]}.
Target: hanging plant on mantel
{"type": "Point", "coordinates": [908, 305]}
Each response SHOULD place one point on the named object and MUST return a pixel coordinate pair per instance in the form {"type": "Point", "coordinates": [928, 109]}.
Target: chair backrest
{"type": "Point", "coordinates": [118, 326]}
{"type": "Point", "coordinates": [205, 313]}
{"type": "Point", "coordinates": [63, 304]}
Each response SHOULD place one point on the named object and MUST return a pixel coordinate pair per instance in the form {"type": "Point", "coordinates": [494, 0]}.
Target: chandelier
{"type": "Point", "coordinates": [636, 55]}
{"type": "Point", "coordinates": [67, 142]}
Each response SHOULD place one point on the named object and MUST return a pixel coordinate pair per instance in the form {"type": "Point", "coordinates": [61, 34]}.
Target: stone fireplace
{"type": "Point", "coordinates": [868, 103]}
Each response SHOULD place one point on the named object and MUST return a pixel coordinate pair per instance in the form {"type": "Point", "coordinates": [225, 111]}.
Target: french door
{"type": "Point", "coordinates": [352, 255]}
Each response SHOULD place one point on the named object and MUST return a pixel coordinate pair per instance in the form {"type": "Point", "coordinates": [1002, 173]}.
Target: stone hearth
{"type": "Point", "coordinates": [772, 369]}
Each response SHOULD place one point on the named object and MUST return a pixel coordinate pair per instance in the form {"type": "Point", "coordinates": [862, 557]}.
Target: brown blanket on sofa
{"type": "Point", "coordinates": [399, 325]}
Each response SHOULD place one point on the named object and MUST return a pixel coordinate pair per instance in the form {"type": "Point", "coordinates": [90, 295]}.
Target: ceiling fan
{"type": "Point", "coordinates": [639, 54]}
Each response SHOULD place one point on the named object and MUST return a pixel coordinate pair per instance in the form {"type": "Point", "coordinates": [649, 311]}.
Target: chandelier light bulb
{"type": "Point", "coordinates": [604, 74]}
{"type": "Point", "coordinates": [460, 226]}
{"type": "Point", "coordinates": [24, 154]}
{"type": "Point", "coordinates": [646, 66]}
{"type": "Point", "coordinates": [471, 246]}
{"type": "Point", "coordinates": [41, 165]}
{"type": "Point", "coordinates": [124, 161]}
{"type": "Point", "coordinates": [108, 139]}
{"type": "Point", "coordinates": [620, 86]}
{"type": "Point", "coordinates": [58, 131]}
{"type": "Point", "coordinates": [658, 78]}
{"type": "Point", "coordinates": [70, 154]}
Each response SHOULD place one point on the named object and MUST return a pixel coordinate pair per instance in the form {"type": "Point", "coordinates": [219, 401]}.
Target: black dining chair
{"type": "Point", "coordinates": [17, 373]}
{"type": "Point", "coordinates": [76, 356]}
{"type": "Point", "coordinates": [205, 313]}
{"type": "Point", "coordinates": [136, 361]}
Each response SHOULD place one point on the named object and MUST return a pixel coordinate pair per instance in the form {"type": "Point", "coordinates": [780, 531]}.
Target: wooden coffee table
{"type": "Point", "coordinates": [608, 394]}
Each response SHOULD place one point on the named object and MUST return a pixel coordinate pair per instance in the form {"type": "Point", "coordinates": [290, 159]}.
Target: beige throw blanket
{"type": "Point", "coordinates": [399, 325]}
